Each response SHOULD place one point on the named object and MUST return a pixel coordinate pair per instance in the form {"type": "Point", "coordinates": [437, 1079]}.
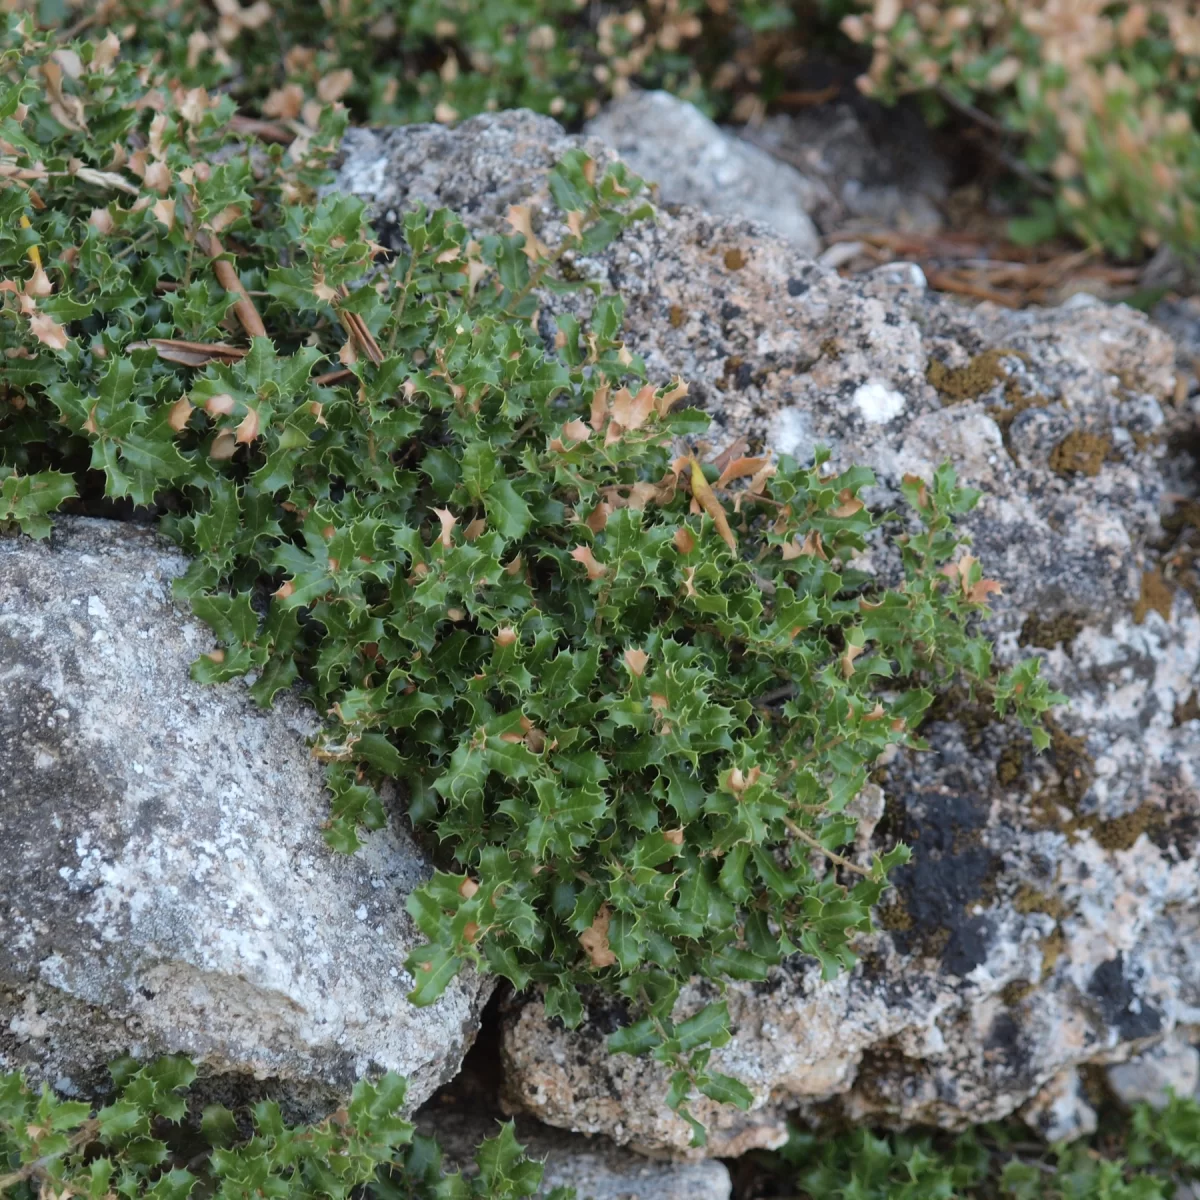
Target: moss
{"type": "Point", "coordinates": [1180, 562]}
{"type": "Point", "coordinates": [1013, 993]}
{"type": "Point", "coordinates": [1076, 769]}
{"type": "Point", "coordinates": [956, 385]}
{"type": "Point", "coordinates": [1120, 833]}
{"type": "Point", "coordinates": [1049, 632]}
{"type": "Point", "coordinates": [1075, 765]}
{"type": "Point", "coordinates": [1010, 766]}
{"type": "Point", "coordinates": [956, 704]}
{"type": "Point", "coordinates": [1157, 595]}
{"type": "Point", "coordinates": [1053, 946]}
{"type": "Point", "coordinates": [1029, 900]}
{"type": "Point", "coordinates": [895, 917]}
{"type": "Point", "coordinates": [1080, 453]}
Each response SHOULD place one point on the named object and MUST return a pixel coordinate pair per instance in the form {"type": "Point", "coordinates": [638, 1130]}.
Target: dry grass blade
{"type": "Point", "coordinates": [191, 354]}
{"type": "Point", "coordinates": [227, 276]}
{"type": "Point", "coordinates": [364, 341]}
{"type": "Point", "coordinates": [946, 281]}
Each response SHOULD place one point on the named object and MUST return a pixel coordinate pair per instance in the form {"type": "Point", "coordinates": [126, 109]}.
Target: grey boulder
{"type": "Point", "coordinates": [164, 886]}
{"type": "Point", "coordinates": [693, 161]}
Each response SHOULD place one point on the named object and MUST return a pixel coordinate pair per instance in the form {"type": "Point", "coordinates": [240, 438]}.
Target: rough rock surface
{"type": "Point", "coordinates": [596, 1167]}
{"type": "Point", "coordinates": [1051, 913]}
{"type": "Point", "coordinates": [673, 144]}
{"type": "Point", "coordinates": [1171, 1066]}
{"type": "Point", "coordinates": [163, 884]}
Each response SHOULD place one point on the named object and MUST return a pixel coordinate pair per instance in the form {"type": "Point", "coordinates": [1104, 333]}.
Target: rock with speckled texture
{"type": "Point", "coordinates": [1170, 1067]}
{"type": "Point", "coordinates": [163, 884]}
{"type": "Point", "coordinates": [693, 161]}
{"type": "Point", "coordinates": [1050, 916]}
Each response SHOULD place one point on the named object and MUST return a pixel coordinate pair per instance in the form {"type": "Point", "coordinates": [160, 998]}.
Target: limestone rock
{"type": "Point", "coordinates": [596, 1167]}
{"type": "Point", "coordinates": [163, 884]}
{"type": "Point", "coordinates": [1171, 1066]}
{"type": "Point", "coordinates": [1060, 1111]}
{"type": "Point", "coordinates": [1050, 915]}
{"type": "Point", "coordinates": [673, 144]}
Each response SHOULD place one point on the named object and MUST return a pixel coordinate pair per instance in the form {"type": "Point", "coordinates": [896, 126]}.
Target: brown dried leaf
{"type": "Point", "coordinates": [636, 661]}
{"type": "Point", "coordinates": [164, 211]}
{"type": "Point", "coordinates": [191, 354]}
{"type": "Point", "coordinates": [104, 53]}
{"type": "Point", "coordinates": [704, 496]}
{"type": "Point", "coordinates": [335, 85]}
{"type": "Point", "coordinates": [224, 446]}
{"type": "Point", "coordinates": [448, 520]}
{"type": "Point", "coordinates": [676, 392]}
{"type": "Point", "coordinates": [594, 940]}
{"type": "Point", "coordinates": [48, 331]}
{"type": "Point", "coordinates": [247, 431]}
{"type": "Point", "coordinates": [599, 411]}
{"type": "Point", "coordinates": [158, 178]}
{"type": "Point", "coordinates": [598, 517]}
{"type": "Point", "coordinates": [847, 659]}
{"type": "Point", "coordinates": [520, 220]}
{"type": "Point", "coordinates": [220, 405]}
{"type": "Point", "coordinates": [584, 556]}
{"type": "Point", "coordinates": [848, 506]}
{"type": "Point", "coordinates": [684, 539]}
{"type": "Point", "coordinates": [631, 411]}
{"type": "Point", "coordinates": [284, 102]}
{"type": "Point", "coordinates": [739, 468]}
{"type": "Point", "coordinates": [181, 410]}
{"type": "Point", "coordinates": [979, 592]}
{"type": "Point", "coordinates": [38, 283]}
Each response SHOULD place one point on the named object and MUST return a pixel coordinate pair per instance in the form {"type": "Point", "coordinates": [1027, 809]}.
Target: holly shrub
{"type": "Point", "coordinates": [148, 1142]}
{"type": "Point", "coordinates": [625, 697]}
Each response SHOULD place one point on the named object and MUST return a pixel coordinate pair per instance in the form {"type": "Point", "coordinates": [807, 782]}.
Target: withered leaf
{"type": "Point", "coordinates": [704, 496]}
{"type": "Point", "coordinates": [594, 939]}
{"type": "Point", "coordinates": [584, 556]}
{"type": "Point", "coordinates": [191, 354]}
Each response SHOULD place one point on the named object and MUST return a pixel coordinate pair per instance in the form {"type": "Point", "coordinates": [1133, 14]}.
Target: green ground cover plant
{"type": "Point", "coordinates": [146, 1143]}
{"type": "Point", "coordinates": [153, 1140]}
{"type": "Point", "coordinates": [1149, 1154]}
{"type": "Point", "coordinates": [625, 697]}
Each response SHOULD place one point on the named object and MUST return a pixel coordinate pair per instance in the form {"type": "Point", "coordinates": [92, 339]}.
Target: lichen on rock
{"type": "Point", "coordinates": [164, 887]}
